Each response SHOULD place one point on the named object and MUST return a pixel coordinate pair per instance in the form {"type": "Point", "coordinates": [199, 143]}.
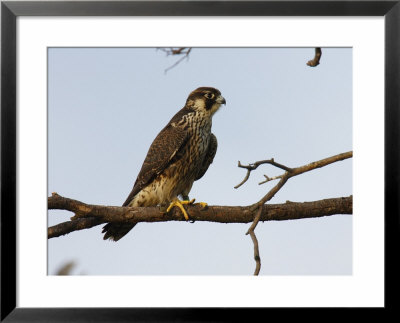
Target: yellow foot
{"type": "Point", "coordinates": [179, 204]}
{"type": "Point", "coordinates": [203, 204]}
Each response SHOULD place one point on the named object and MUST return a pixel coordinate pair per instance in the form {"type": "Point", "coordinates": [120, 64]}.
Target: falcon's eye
{"type": "Point", "coordinates": [209, 95]}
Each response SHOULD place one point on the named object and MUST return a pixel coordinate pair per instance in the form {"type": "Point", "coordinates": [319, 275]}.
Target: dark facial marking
{"type": "Point", "coordinates": [208, 94]}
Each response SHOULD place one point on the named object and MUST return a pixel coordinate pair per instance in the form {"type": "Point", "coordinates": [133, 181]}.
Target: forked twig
{"type": "Point", "coordinates": [290, 172]}
{"type": "Point", "coordinates": [185, 51]}
{"type": "Point", "coordinates": [254, 166]}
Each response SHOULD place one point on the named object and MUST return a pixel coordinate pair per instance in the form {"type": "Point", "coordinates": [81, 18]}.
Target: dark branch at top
{"type": "Point", "coordinates": [315, 61]}
{"type": "Point", "coordinates": [184, 51]}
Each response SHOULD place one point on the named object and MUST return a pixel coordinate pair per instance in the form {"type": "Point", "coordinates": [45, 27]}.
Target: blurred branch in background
{"type": "Point", "coordinates": [66, 269]}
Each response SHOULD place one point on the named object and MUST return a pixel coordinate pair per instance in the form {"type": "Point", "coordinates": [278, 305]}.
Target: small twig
{"type": "Point", "coordinates": [245, 178]}
{"type": "Point", "coordinates": [268, 179]}
{"type": "Point", "coordinates": [315, 61]}
{"type": "Point", "coordinates": [185, 51]}
{"type": "Point", "coordinates": [174, 51]}
{"type": "Point", "coordinates": [253, 236]}
{"type": "Point", "coordinates": [257, 257]}
{"type": "Point", "coordinates": [254, 166]}
{"type": "Point", "coordinates": [177, 51]}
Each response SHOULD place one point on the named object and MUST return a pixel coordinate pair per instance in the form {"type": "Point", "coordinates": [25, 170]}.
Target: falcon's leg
{"type": "Point", "coordinates": [179, 204]}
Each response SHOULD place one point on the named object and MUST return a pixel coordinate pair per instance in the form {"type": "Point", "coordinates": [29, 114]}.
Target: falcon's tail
{"type": "Point", "coordinates": [115, 231]}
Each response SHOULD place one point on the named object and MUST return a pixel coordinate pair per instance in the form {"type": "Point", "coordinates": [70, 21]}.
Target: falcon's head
{"type": "Point", "coordinates": [205, 99]}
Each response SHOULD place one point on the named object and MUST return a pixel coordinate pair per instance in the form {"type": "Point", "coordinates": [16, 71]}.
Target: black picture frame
{"type": "Point", "coordinates": [10, 10]}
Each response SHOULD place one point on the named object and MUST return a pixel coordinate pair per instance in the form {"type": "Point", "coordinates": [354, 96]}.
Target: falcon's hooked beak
{"type": "Point", "coordinates": [220, 100]}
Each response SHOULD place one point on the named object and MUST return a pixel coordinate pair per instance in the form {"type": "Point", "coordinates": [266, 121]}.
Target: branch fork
{"type": "Point", "coordinates": [290, 172]}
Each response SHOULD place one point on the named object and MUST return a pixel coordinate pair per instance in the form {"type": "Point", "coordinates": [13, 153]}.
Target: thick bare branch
{"type": "Point", "coordinates": [219, 214]}
{"type": "Point", "coordinates": [70, 226]}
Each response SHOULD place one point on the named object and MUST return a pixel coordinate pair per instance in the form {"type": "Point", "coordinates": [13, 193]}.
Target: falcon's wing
{"type": "Point", "coordinates": [208, 159]}
{"type": "Point", "coordinates": [162, 150]}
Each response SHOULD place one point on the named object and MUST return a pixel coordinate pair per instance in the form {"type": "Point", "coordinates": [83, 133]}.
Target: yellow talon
{"type": "Point", "coordinates": [203, 204]}
{"type": "Point", "coordinates": [188, 202]}
{"type": "Point", "coordinates": [180, 205]}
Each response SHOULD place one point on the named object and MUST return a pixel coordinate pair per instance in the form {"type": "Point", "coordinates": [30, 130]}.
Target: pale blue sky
{"type": "Point", "coordinates": [106, 105]}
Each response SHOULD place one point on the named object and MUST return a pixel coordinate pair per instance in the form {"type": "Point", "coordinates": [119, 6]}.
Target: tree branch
{"type": "Point", "coordinates": [254, 166]}
{"type": "Point", "coordinates": [70, 226]}
{"type": "Point", "coordinates": [87, 215]}
{"type": "Point", "coordinates": [290, 172]}
{"type": "Point", "coordinates": [315, 61]}
{"type": "Point", "coordinates": [253, 236]}
{"type": "Point", "coordinates": [185, 51]}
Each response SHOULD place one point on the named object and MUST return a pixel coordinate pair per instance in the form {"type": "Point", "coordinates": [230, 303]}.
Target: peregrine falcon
{"type": "Point", "coordinates": [180, 155]}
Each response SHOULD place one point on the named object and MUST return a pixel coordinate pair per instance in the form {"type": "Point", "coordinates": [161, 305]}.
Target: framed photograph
{"type": "Point", "coordinates": [280, 120]}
